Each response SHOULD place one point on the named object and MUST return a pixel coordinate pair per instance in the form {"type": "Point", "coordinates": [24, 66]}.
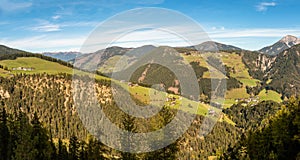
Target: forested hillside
{"type": "Point", "coordinates": [285, 73]}
{"type": "Point", "coordinates": [279, 73]}
{"type": "Point", "coordinates": [50, 98]}
{"type": "Point", "coordinates": [225, 139]}
{"type": "Point", "coordinates": [276, 138]}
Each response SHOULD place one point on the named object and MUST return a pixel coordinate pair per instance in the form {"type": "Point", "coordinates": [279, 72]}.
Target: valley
{"type": "Point", "coordinates": [37, 91]}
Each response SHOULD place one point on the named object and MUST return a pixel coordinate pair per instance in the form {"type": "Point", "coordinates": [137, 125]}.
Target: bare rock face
{"type": "Point", "coordinates": [4, 93]}
{"type": "Point", "coordinates": [264, 63]}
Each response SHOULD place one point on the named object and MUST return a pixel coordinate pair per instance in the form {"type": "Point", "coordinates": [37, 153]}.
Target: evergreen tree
{"type": "Point", "coordinates": [74, 148]}
{"type": "Point", "coordinates": [53, 154]}
{"type": "Point", "coordinates": [168, 152]}
{"type": "Point", "coordinates": [25, 149]}
{"type": "Point", "coordinates": [83, 153]}
{"type": "Point", "coordinates": [4, 136]}
{"type": "Point", "coordinates": [94, 149]}
{"type": "Point", "coordinates": [62, 151]}
{"type": "Point", "coordinates": [129, 125]}
{"type": "Point", "coordinates": [40, 139]}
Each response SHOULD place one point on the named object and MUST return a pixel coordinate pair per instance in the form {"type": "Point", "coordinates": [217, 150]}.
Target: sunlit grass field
{"type": "Point", "coordinates": [39, 65]}
{"type": "Point", "coordinates": [270, 95]}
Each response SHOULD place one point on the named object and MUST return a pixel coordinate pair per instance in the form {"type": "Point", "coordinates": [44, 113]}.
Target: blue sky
{"type": "Point", "coordinates": [56, 25]}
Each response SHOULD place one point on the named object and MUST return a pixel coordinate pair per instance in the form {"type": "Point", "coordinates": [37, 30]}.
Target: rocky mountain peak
{"type": "Point", "coordinates": [290, 40]}
{"type": "Point", "coordinates": [281, 45]}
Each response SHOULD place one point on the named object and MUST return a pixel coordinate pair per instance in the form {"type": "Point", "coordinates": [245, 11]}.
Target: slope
{"type": "Point", "coordinates": [33, 65]}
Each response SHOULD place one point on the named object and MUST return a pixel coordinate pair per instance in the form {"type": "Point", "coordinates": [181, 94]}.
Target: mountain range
{"type": "Point", "coordinates": [65, 56]}
{"type": "Point", "coordinates": [262, 64]}
{"type": "Point", "coordinates": [276, 66]}
{"type": "Point", "coordinates": [274, 49]}
{"type": "Point", "coordinates": [257, 84]}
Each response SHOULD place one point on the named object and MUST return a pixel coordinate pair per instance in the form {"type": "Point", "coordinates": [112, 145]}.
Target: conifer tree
{"type": "Point", "coordinates": [74, 148]}
{"type": "Point", "coordinates": [62, 151]}
{"type": "Point", "coordinates": [24, 149]}
{"type": "Point", "coordinates": [40, 139]}
{"type": "Point", "coordinates": [4, 136]}
{"type": "Point", "coordinates": [94, 149]}
{"type": "Point", "coordinates": [129, 125]}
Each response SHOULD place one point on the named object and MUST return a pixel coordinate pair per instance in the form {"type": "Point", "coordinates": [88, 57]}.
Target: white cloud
{"type": "Point", "coordinates": [252, 39]}
{"type": "Point", "coordinates": [245, 38]}
{"type": "Point", "coordinates": [56, 17]}
{"type": "Point", "coordinates": [154, 37]}
{"type": "Point", "coordinates": [255, 32]}
{"type": "Point", "coordinates": [9, 6]}
{"type": "Point", "coordinates": [44, 26]}
{"type": "Point", "coordinates": [158, 37]}
{"type": "Point", "coordinates": [263, 6]}
{"type": "Point", "coordinates": [80, 24]}
{"type": "Point", "coordinates": [45, 43]}
{"type": "Point", "coordinates": [47, 28]}
{"type": "Point", "coordinates": [214, 28]}
{"type": "Point", "coordinates": [117, 34]}
{"type": "Point", "coordinates": [64, 11]}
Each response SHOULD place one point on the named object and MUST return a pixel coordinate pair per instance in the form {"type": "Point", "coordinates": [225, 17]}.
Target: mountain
{"type": "Point", "coordinates": [280, 72]}
{"type": "Point", "coordinates": [139, 51]}
{"type": "Point", "coordinates": [109, 57]}
{"type": "Point", "coordinates": [285, 72]}
{"type": "Point", "coordinates": [65, 56]}
{"type": "Point", "coordinates": [214, 46]}
{"type": "Point", "coordinates": [102, 56]}
{"type": "Point", "coordinates": [156, 66]}
{"type": "Point", "coordinates": [283, 44]}
{"type": "Point", "coordinates": [8, 50]}
{"type": "Point", "coordinates": [88, 61]}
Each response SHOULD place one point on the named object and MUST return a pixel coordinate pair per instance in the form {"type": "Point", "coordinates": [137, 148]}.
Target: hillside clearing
{"type": "Point", "coordinates": [141, 93]}
{"type": "Point", "coordinates": [270, 95]}
{"type": "Point", "coordinates": [38, 65]}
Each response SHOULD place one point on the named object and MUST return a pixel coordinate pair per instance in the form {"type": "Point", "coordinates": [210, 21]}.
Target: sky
{"type": "Point", "coordinates": [55, 25]}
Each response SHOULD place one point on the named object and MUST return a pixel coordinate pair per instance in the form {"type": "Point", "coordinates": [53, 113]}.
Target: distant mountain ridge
{"type": "Point", "coordinates": [88, 61]}
{"type": "Point", "coordinates": [210, 46]}
{"type": "Point", "coordinates": [65, 56]}
{"type": "Point", "coordinates": [283, 44]}
{"type": "Point", "coordinates": [104, 54]}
